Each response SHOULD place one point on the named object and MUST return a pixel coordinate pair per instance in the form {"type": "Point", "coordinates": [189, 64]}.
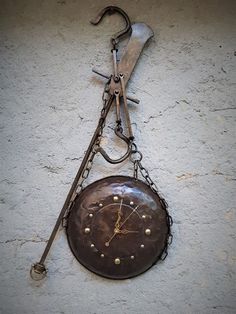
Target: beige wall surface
{"type": "Point", "coordinates": [50, 102]}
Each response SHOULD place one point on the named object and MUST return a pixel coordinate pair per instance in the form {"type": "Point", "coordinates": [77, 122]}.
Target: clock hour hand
{"type": "Point", "coordinates": [117, 224]}
{"type": "Point", "coordinates": [116, 231]}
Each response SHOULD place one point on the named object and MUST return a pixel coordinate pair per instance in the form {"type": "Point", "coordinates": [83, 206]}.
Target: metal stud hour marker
{"type": "Point", "coordinates": [132, 257]}
{"type": "Point", "coordinates": [100, 204]}
{"type": "Point", "coordinates": [117, 261]}
{"type": "Point", "coordinates": [148, 232]}
{"type": "Point", "coordinates": [90, 215]}
{"type": "Point", "coordinates": [131, 203]}
{"type": "Point", "coordinates": [115, 198]}
{"type": "Point", "coordinates": [102, 255]}
{"type": "Point", "coordinates": [143, 216]}
{"type": "Point", "coordinates": [92, 245]}
{"type": "Point", "coordinates": [142, 246]}
{"type": "Point", "coordinates": [107, 244]}
{"type": "Point", "coordinates": [87, 230]}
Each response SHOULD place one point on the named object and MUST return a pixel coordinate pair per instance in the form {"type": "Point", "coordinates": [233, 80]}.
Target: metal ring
{"type": "Point", "coordinates": [138, 158]}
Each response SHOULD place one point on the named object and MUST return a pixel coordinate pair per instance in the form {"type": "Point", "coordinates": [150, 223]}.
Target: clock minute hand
{"type": "Point", "coordinates": [134, 210]}
{"type": "Point", "coordinates": [114, 234]}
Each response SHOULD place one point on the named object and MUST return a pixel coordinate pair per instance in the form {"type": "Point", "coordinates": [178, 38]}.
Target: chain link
{"type": "Point", "coordinates": [136, 157]}
{"type": "Point", "coordinates": [136, 169]}
{"type": "Point", "coordinates": [144, 172]}
{"type": "Point", "coordinates": [89, 164]}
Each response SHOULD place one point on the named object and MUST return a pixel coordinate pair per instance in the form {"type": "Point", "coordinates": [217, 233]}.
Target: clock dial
{"type": "Point", "coordinates": [117, 227]}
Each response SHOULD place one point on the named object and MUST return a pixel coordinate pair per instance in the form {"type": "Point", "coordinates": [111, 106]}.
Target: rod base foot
{"type": "Point", "coordinates": [38, 271]}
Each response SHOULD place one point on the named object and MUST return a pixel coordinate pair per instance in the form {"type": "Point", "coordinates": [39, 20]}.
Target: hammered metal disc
{"type": "Point", "coordinates": [107, 232]}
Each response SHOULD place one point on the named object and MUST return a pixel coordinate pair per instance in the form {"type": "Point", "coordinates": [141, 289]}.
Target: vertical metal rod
{"type": "Point", "coordinates": [131, 136]}
{"type": "Point", "coordinates": [117, 95]}
{"type": "Point", "coordinates": [74, 185]}
{"type": "Point", "coordinates": [116, 78]}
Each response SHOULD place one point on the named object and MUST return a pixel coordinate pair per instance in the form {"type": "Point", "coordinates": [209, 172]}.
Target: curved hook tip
{"type": "Point", "coordinates": [94, 21]}
{"type": "Point", "coordinates": [100, 15]}
{"type": "Point", "coordinates": [111, 10]}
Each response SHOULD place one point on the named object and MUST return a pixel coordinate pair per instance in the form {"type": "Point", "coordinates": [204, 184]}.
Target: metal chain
{"type": "Point", "coordinates": [89, 163]}
{"type": "Point", "coordinates": [144, 172]}
{"type": "Point", "coordinates": [136, 157]}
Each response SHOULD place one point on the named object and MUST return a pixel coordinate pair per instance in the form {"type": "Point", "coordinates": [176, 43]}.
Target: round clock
{"type": "Point", "coordinates": [117, 227]}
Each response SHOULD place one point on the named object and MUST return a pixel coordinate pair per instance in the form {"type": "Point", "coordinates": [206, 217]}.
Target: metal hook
{"type": "Point", "coordinates": [119, 133]}
{"type": "Point", "coordinates": [111, 10]}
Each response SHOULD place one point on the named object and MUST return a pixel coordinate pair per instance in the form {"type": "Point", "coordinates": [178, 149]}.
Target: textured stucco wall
{"type": "Point", "coordinates": [185, 126]}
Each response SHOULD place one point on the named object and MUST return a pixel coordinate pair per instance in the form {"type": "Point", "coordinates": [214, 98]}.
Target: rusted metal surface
{"type": "Point", "coordinates": [141, 33]}
{"type": "Point", "coordinates": [117, 219]}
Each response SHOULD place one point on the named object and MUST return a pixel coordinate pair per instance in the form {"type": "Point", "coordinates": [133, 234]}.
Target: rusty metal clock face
{"type": "Point", "coordinates": [117, 227]}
